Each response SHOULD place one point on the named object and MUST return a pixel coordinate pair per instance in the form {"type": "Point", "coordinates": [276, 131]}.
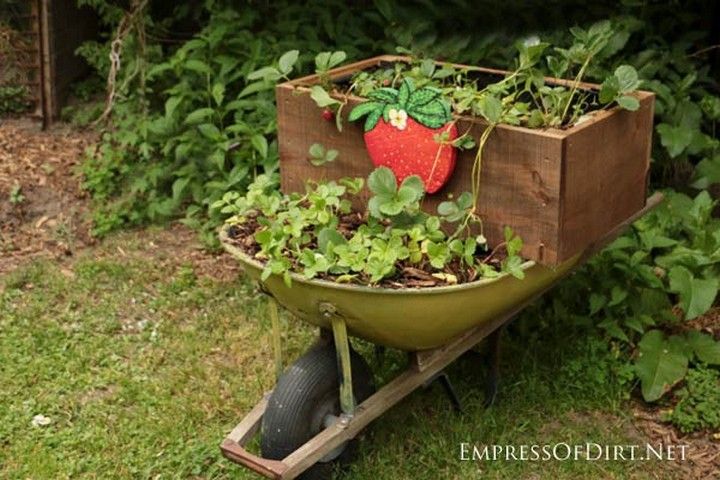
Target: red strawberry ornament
{"type": "Point", "coordinates": [410, 131]}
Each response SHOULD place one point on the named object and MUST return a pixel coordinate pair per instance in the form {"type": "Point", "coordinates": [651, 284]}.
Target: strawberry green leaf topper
{"type": "Point", "coordinates": [411, 132]}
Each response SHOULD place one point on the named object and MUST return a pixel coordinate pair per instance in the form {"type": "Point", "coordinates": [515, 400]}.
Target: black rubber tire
{"type": "Point", "coordinates": [291, 417]}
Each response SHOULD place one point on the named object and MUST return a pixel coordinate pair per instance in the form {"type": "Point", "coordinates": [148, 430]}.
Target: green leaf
{"type": "Point", "coordinates": [432, 224]}
{"type": "Point", "coordinates": [704, 346]}
{"type": "Point", "coordinates": [696, 294]}
{"type": "Point", "coordinates": [447, 208]}
{"type": "Point", "coordinates": [438, 253]}
{"type": "Point", "coordinates": [260, 144]}
{"type": "Point", "coordinates": [433, 108]}
{"type": "Point", "coordinates": [317, 150]}
{"type": "Point", "coordinates": [427, 68]}
{"type": "Point", "coordinates": [675, 139]}
{"type": "Point", "coordinates": [372, 119]}
{"type": "Point", "coordinates": [628, 103]}
{"type": "Point", "coordinates": [218, 93]}
{"type": "Point", "coordinates": [179, 186]}
{"type": "Point", "coordinates": [386, 111]}
{"type": "Point", "coordinates": [322, 61]}
{"type": "Point", "coordinates": [254, 88]}
{"type": "Point", "coordinates": [597, 302]}
{"type": "Point", "coordinates": [627, 78]}
{"type": "Point", "coordinates": [321, 97]}
{"type": "Point", "coordinates": [329, 235]}
{"type": "Point", "coordinates": [609, 89]}
{"type": "Point", "coordinates": [396, 205]}
{"type": "Point", "coordinates": [430, 121]}
{"type": "Point", "coordinates": [209, 131]}
{"type": "Point", "coordinates": [423, 96]}
{"type": "Point", "coordinates": [268, 74]}
{"type": "Point", "coordinates": [363, 109]}
{"type": "Point", "coordinates": [287, 60]}
{"type": "Point", "coordinates": [199, 115]}
{"type": "Point", "coordinates": [415, 185]}
{"type": "Point", "coordinates": [406, 89]}
{"type": "Point", "coordinates": [490, 108]}
{"type": "Point", "coordinates": [513, 243]}
{"type": "Point", "coordinates": [337, 58]}
{"type": "Point", "coordinates": [331, 155]}
{"type": "Point", "coordinates": [171, 105]}
{"type": "Point", "coordinates": [382, 182]}
{"type": "Point", "coordinates": [513, 266]}
{"type": "Point", "coordinates": [197, 66]}
{"type": "Point", "coordinates": [354, 185]}
{"type": "Point", "coordinates": [384, 95]}
{"type": "Point", "coordinates": [611, 326]}
{"type": "Point", "coordinates": [707, 172]}
{"type": "Point", "coordinates": [659, 365]}
{"type": "Point", "coordinates": [465, 200]}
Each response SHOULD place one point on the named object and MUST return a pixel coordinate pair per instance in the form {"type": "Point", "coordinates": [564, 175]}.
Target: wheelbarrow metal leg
{"type": "Point", "coordinates": [448, 388]}
{"type": "Point", "coordinates": [493, 376]}
{"type": "Point", "coordinates": [276, 337]}
{"type": "Point", "coordinates": [379, 354]}
{"type": "Point", "coordinates": [342, 348]}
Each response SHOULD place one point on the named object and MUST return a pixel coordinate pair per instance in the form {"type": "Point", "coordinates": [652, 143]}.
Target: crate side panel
{"type": "Point", "coordinates": [519, 188]}
{"type": "Point", "coordinates": [300, 125]}
{"type": "Point", "coordinates": [605, 175]}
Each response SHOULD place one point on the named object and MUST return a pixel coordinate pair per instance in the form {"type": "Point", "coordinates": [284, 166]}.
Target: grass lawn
{"type": "Point", "coordinates": [143, 363]}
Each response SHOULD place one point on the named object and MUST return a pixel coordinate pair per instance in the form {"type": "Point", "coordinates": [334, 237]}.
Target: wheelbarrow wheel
{"type": "Point", "coordinates": [305, 401]}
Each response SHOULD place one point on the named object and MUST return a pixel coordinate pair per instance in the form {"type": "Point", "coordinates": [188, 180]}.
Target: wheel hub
{"type": "Point", "coordinates": [325, 416]}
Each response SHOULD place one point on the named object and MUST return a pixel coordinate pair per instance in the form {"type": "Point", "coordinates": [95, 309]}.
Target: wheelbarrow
{"type": "Point", "coordinates": [323, 400]}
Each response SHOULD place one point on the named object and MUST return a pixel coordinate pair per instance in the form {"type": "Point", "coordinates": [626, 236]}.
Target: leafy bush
{"type": "Point", "coordinates": [201, 125]}
{"type": "Point", "coordinates": [14, 99]}
{"type": "Point", "coordinates": [670, 257]}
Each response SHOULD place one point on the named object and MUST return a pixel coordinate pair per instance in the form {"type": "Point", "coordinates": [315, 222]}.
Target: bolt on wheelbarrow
{"type": "Point", "coordinates": [326, 398]}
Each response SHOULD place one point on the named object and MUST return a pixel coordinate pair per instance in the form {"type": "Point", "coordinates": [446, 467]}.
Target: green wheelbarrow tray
{"type": "Point", "coordinates": [407, 319]}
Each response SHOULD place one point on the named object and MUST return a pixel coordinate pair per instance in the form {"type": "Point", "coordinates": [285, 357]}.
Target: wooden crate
{"type": "Point", "coordinates": [559, 189]}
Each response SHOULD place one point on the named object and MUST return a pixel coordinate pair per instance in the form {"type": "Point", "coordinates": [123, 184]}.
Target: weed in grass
{"type": "Point", "coordinates": [699, 405]}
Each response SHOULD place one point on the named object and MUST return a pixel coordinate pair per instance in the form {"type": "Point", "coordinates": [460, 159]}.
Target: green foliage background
{"type": "Point", "coordinates": [189, 125]}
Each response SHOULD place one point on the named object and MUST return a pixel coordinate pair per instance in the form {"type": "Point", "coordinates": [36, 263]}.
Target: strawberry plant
{"type": "Point", "coordinates": [395, 242]}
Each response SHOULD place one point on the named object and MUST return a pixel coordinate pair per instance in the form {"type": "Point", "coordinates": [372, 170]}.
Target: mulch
{"type": "Point", "coordinates": [47, 217]}
{"type": "Point", "coordinates": [703, 448]}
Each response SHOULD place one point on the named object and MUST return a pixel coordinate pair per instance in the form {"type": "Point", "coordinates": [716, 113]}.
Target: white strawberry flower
{"type": "Point", "coordinates": [398, 118]}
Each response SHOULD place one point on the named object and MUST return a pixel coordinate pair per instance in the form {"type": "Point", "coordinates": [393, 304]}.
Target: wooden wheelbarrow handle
{"type": "Point", "coordinates": [269, 468]}
{"type": "Point", "coordinates": [233, 445]}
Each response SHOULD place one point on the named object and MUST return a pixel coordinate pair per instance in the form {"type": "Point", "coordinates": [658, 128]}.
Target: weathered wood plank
{"type": "Point", "coordinates": [605, 170]}
{"type": "Point", "coordinates": [249, 426]}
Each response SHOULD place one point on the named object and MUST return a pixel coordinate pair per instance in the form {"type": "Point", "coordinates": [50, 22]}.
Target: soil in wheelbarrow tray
{"type": "Point", "coordinates": [407, 274]}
